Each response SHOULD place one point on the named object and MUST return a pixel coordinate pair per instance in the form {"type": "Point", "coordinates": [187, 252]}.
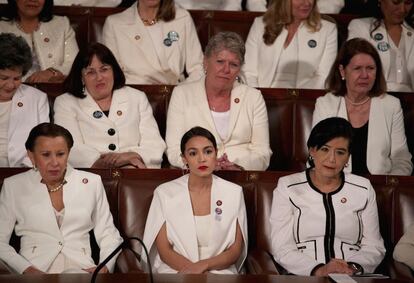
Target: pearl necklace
{"type": "Point", "coordinates": [57, 188]}
{"type": "Point", "coordinates": [357, 103]}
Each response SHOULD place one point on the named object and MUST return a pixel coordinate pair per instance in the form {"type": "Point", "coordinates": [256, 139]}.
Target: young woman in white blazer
{"type": "Point", "coordinates": [290, 47]}
{"type": "Point", "coordinates": [21, 106]}
{"type": "Point", "coordinates": [197, 223]}
{"type": "Point", "coordinates": [155, 43]}
{"type": "Point", "coordinates": [235, 113]}
{"type": "Point", "coordinates": [51, 38]}
{"type": "Point", "coordinates": [358, 94]}
{"type": "Point", "coordinates": [112, 124]}
{"type": "Point", "coordinates": [324, 220]}
{"type": "Point", "coordinates": [52, 208]}
{"type": "Point", "coordinates": [391, 31]}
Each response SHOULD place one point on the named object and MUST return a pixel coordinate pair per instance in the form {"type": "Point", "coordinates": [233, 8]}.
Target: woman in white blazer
{"type": "Point", "coordinates": [229, 5]}
{"type": "Point", "coordinates": [21, 107]}
{"type": "Point", "coordinates": [324, 220]}
{"type": "Point", "coordinates": [235, 113]}
{"type": "Point", "coordinates": [112, 124]}
{"type": "Point", "coordinates": [391, 31]}
{"type": "Point", "coordinates": [330, 6]}
{"type": "Point", "coordinates": [52, 207]}
{"type": "Point", "coordinates": [155, 43]}
{"type": "Point", "coordinates": [290, 47]}
{"type": "Point", "coordinates": [197, 223]}
{"type": "Point", "coordinates": [88, 3]}
{"type": "Point", "coordinates": [51, 38]}
{"type": "Point", "coordinates": [357, 93]}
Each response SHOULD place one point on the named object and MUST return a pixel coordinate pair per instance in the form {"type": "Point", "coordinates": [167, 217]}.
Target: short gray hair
{"type": "Point", "coordinates": [226, 40]}
{"type": "Point", "coordinates": [15, 53]}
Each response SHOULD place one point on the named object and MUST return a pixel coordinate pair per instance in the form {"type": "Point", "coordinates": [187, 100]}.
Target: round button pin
{"type": "Point", "coordinates": [137, 37]}
{"type": "Point", "coordinates": [49, 55]}
{"type": "Point", "coordinates": [343, 200]}
{"type": "Point", "coordinates": [111, 132]}
{"type": "Point", "coordinates": [111, 146]}
{"type": "Point", "coordinates": [218, 211]}
{"type": "Point", "coordinates": [167, 42]}
{"type": "Point", "coordinates": [97, 114]}
{"type": "Point", "coordinates": [312, 43]}
{"type": "Point", "coordinates": [236, 100]}
{"type": "Point", "coordinates": [409, 33]}
{"type": "Point", "coordinates": [173, 35]}
{"type": "Point", "coordinates": [378, 36]}
{"type": "Point", "coordinates": [119, 112]}
{"type": "Point", "coordinates": [85, 180]}
{"type": "Point", "coordinates": [383, 46]}
{"type": "Point", "coordinates": [46, 39]}
{"type": "Point", "coordinates": [20, 104]}
{"type": "Point", "coordinates": [219, 203]}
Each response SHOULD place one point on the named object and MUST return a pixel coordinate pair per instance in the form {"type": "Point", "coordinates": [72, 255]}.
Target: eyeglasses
{"type": "Point", "coordinates": [91, 73]}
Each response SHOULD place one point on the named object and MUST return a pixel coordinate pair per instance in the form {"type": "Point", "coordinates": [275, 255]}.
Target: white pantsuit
{"type": "Point", "coordinates": [25, 206]}
{"type": "Point", "coordinates": [310, 227]}
{"type": "Point", "coordinates": [54, 42]}
{"type": "Point", "coordinates": [130, 127]}
{"type": "Point", "coordinates": [387, 151]}
{"type": "Point", "coordinates": [30, 107]}
{"type": "Point", "coordinates": [247, 142]}
{"type": "Point", "coordinates": [171, 205]}
{"type": "Point", "coordinates": [380, 38]}
{"type": "Point", "coordinates": [136, 52]}
{"type": "Point", "coordinates": [316, 53]}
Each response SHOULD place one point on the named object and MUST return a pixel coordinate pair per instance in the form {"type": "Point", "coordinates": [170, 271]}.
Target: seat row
{"type": "Point", "coordinates": [290, 119]}
{"type": "Point", "coordinates": [88, 22]}
{"type": "Point", "coordinates": [130, 192]}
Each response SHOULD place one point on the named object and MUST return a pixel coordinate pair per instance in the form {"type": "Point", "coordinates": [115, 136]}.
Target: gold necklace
{"type": "Point", "coordinates": [57, 188]}
{"type": "Point", "coordinates": [148, 22]}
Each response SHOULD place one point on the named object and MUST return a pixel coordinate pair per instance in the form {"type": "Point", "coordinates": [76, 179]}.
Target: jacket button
{"type": "Point", "coordinates": [112, 146]}
{"type": "Point", "coordinates": [60, 244]}
{"type": "Point", "coordinates": [111, 132]}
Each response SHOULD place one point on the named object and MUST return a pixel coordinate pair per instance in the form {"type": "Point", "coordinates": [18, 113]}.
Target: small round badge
{"type": "Point", "coordinates": [49, 55]}
{"type": "Point", "coordinates": [119, 112]}
{"type": "Point", "coordinates": [218, 211]}
{"type": "Point", "coordinates": [173, 35]}
{"type": "Point", "coordinates": [236, 100]}
{"type": "Point", "coordinates": [167, 42]}
{"type": "Point", "coordinates": [85, 180]}
{"type": "Point", "coordinates": [46, 39]}
{"type": "Point", "coordinates": [378, 36]}
{"type": "Point", "coordinates": [383, 46]}
{"type": "Point", "coordinates": [219, 203]}
{"type": "Point", "coordinates": [409, 33]}
{"type": "Point", "coordinates": [137, 37]}
{"type": "Point", "coordinates": [312, 43]}
{"type": "Point", "coordinates": [97, 114]}
{"type": "Point", "coordinates": [20, 104]}
{"type": "Point", "coordinates": [343, 200]}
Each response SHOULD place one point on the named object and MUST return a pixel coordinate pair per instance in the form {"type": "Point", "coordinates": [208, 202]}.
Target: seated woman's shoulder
{"type": "Point", "coordinates": [227, 184]}
{"type": "Point", "coordinates": [86, 177]}
{"type": "Point", "coordinates": [181, 13]}
{"type": "Point", "coordinates": [358, 181]}
{"type": "Point", "coordinates": [293, 179]}
{"type": "Point", "coordinates": [27, 89]}
{"type": "Point", "coordinates": [61, 20]}
{"type": "Point", "coordinates": [360, 22]}
{"type": "Point", "coordinates": [390, 100]}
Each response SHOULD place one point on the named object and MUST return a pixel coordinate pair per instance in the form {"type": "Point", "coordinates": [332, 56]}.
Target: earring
{"type": "Point", "coordinates": [310, 158]}
{"type": "Point", "coordinates": [346, 165]}
{"type": "Point", "coordinates": [343, 78]}
{"type": "Point", "coordinates": [83, 89]}
{"type": "Point", "coordinates": [35, 168]}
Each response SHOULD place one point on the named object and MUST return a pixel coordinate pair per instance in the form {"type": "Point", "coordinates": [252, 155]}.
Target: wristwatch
{"type": "Point", "coordinates": [358, 270]}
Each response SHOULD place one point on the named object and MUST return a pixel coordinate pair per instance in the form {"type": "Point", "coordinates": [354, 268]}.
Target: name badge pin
{"type": "Point", "coordinates": [312, 43]}
{"type": "Point", "coordinates": [97, 114]}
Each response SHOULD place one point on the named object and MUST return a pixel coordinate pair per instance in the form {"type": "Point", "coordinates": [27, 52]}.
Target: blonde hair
{"type": "Point", "coordinates": [279, 15]}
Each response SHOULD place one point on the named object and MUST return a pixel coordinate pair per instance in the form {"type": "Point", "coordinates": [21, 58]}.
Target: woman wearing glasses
{"type": "Point", "coordinates": [112, 125]}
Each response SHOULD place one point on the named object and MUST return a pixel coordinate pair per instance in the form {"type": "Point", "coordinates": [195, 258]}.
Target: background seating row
{"type": "Point", "coordinates": [290, 119]}
{"type": "Point", "coordinates": [130, 193]}
{"type": "Point", "coordinates": [88, 22]}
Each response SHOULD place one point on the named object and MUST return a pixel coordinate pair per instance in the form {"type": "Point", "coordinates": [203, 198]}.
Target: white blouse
{"type": "Point", "coordinates": [398, 77]}
{"type": "Point", "coordinates": [221, 121]}
{"type": "Point", "coordinates": [203, 225]}
{"type": "Point", "coordinates": [287, 69]}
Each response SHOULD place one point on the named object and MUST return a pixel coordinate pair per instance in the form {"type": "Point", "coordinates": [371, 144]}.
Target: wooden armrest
{"type": "Point", "coordinates": [400, 270]}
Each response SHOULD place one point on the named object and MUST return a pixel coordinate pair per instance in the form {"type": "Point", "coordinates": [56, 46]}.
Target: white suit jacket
{"type": "Point", "coordinates": [171, 205]}
{"type": "Point", "coordinates": [387, 151]}
{"type": "Point", "coordinates": [303, 219]}
{"type": "Point", "coordinates": [30, 107]}
{"type": "Point", "coordinates": [404, 250]}
{"type": "Point", "coordinates": [133, 47]}
{"type": "Point", "coordinates": [362, 28]}
{"type": "Point", "coordinates": [314, 62]}
{"type": "Point", "coordinates": [25, 206]}
{"type": "Point", "coordinates": [330, 6]}
{"type": "Point", "coordinates": [88, 3]}
{"type": "Point", "coordinates": [54, 41]}
{"type": "Point", "coordinates": [247, 143]}
{"type": "Point", "coordinates": [130, 116]}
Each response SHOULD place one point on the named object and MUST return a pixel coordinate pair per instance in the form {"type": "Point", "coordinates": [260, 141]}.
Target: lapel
{"type": "Point", "coordinates": [181, 211]}
{"type": "Point", "coordinates": [376, 129]}
{"type": "Point", "coordinates": [200, 98]}
{"type": "Point", "coordinates": [408, 40]}
{"type": "Point", "coordinates": [119, 106]}
{"type": "Point", "coordinates": [138, 35]}
{"type": "Point", "coordinates": [16, 117]}
{"type": "Point", "coordinates": [385, 56]}
{"type": "Point", "coordinates": [89, 107]}
{"type": "Point", "coordinates": [271, 53]}
{"type": "Point", "coordinates": [172, 53]}
{"type": "Point", "coordinates": [41, 199]}
{"type": "Point", "coordinates": [236, 95]}
{"type": "Point", "coordinates": [305, 67]}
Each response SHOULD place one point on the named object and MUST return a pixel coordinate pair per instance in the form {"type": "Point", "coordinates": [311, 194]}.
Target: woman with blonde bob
{"type": "Point", "coordinates": [290, 46]}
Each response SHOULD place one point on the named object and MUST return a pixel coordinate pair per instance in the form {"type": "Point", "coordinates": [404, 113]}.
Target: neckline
{"type": "Point", "coordinates": [308, 178]}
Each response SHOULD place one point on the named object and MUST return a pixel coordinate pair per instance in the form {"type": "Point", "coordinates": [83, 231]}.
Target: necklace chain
{"type": "Point", "coordinates": [57, 188]}
{"type": "Point", "coordinates": [357, 103]}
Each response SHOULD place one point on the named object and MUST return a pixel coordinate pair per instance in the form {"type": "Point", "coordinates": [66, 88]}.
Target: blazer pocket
{"type": "Point", "coordinates": [308, 248]}
{"type": "Point", "coordinates": [348, 250]}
